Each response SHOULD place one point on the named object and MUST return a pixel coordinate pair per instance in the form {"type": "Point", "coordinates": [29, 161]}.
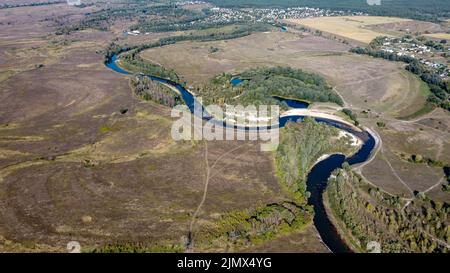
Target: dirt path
{"type": "Point", "coordinates": [394, 172]}
{"type": "Point", "coordinates": [208, 177]}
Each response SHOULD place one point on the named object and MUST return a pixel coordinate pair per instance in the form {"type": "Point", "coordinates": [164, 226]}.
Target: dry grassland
{"type": "Point", "coordinates": [351, 27]}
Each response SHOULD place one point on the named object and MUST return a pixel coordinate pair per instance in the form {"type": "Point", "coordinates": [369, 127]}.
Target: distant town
{"type": "Point", "coordinates": [267, 15]}
{"type": "Point", "coordinates": [434, 55]}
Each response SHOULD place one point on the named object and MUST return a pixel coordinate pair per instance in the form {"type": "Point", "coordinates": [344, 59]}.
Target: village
{"type": "Point", "coordinates": [223, 16]}
{"type": "Point", "coordinates": [271, 15]}
{"type": "Point", "coordinates": [435, 55]}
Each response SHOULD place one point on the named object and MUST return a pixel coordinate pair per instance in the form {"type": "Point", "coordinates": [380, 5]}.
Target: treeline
{"type": "Point", "coordinates": [170, 18]}
{"type": "Point", "coordinates": [367, 214]}
{"type": "Point", "coordinates": [103, 19]}
{"type": "Point", "coordinates": [431, 10]}
{"type": "Point", "coordinates": [149, 90]}
{"type": "Point", "coordinates": [136, 64]}
{"type": "Point", "coordinates": [237, 32]}
{"type": "Point", "coordinates": [8, 6]}
{"type": "Point", "coordinates": [351, 115]}
{"type": "Point", "coordinates": [439, 88]}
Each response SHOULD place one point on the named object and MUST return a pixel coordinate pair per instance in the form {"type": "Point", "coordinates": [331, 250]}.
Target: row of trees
{"type": "Point", "coordinates": [7, 6]}
{"type": "Point", "coordinates": [351, 115]}
{"type": "Point", "coordinates": [169, 18]}
{"type": "Point", "coordinates": [147, 89]}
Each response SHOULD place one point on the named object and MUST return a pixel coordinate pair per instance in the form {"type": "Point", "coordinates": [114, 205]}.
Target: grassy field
{"type": "Point", "coordinates": [354, 27]}
{"type": "Point", "coordinates": [445, 36]}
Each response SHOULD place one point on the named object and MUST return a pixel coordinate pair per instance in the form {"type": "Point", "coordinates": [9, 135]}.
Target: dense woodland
{"type": "Point", "coordinates": [301, 145]}
{"type": "Point", "coordinates": [367, 214]}
{"type": "Point", "coordinates": [8, 6]}
{"type": "Point", "coordinates": [431, 10]}
{"type": "Point", "coordinates": [149, 90]}
{"type": "Point", "coordinates": [240, 229]}
{"type": "Point", "coordinates": [260, 85]}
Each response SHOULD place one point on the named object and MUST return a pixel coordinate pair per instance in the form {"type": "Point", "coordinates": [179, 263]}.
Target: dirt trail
{"type": "Point", "coordinates": [208, 177]}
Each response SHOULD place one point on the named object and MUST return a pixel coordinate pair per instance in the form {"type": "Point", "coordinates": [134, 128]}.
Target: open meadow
{"type": "Point", "coordinates": [354, 27]}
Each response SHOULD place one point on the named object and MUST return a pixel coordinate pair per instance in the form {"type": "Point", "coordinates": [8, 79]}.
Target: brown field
{"type": "Point", "coordinates": [351, 27]}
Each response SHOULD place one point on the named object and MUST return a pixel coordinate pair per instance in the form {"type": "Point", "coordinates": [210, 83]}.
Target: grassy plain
{"type": "Point", "coordinates": [445, 36]}
{"type": "Point", "coordinates": [351, 27]}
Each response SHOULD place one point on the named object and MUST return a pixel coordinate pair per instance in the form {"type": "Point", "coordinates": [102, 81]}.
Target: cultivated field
{"type": "Point", "coordinates": [351, 27]}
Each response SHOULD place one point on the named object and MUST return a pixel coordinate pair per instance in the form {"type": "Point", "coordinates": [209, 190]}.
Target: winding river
{"type": "Point", "coordinates": [317, 178]}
